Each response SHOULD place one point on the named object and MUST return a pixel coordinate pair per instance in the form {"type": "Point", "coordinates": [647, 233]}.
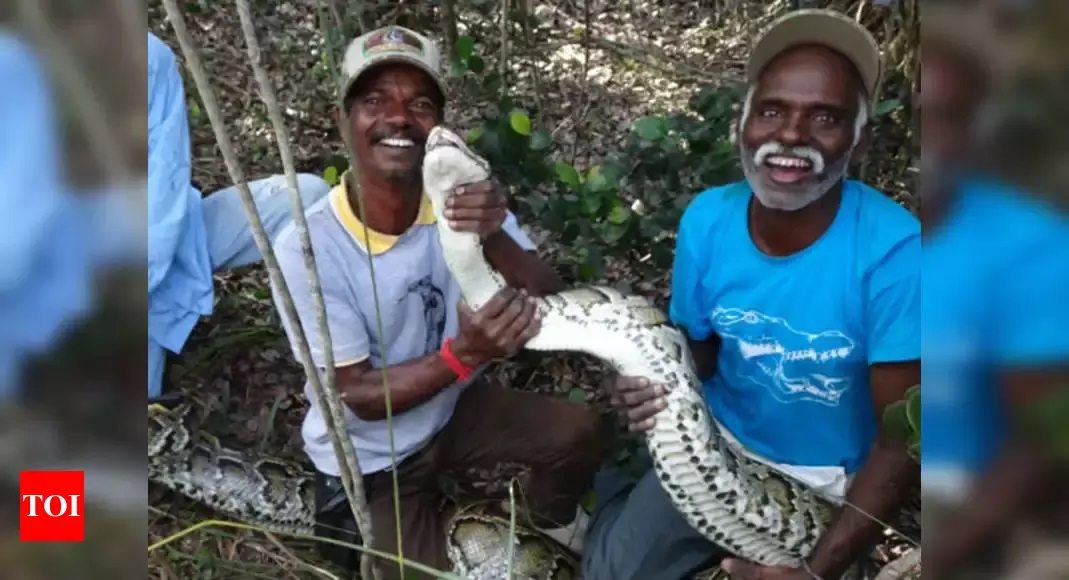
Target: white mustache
{"type": "Point", "coordinates": [777, 148]}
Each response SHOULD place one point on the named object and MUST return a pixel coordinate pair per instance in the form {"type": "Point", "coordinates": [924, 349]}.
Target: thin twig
{"type": "Point", "coordinates": [346, 132]}
{"type": "Point", "coordinates": [578, 126]}
{"type": "Point", "coordinates": [503, 64]}
{"type": "Point", "coordinates": [211, 107]}
{"type": "Point", "coordinates": [332, 7]}
{"type": "Point", "coordinates": [536, 72]}
{"type": "Point", "coordinates": [328, 398]}
{"type": "Point", "coordinates": [361, 15]}
{"type": "Point", "coordinates": [449, 15]}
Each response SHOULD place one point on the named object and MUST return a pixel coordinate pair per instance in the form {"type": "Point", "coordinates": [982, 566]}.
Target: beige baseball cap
{"type": "Point", "coordinates": [394, 44]}
{"type": "Point", "coordinates": [825, 27]}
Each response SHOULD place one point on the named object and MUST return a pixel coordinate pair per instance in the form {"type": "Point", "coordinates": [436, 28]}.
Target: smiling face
{"type": "Point", "coordinates": [800, 125]}
{"type": "Point", "coordinates": [391, 112]}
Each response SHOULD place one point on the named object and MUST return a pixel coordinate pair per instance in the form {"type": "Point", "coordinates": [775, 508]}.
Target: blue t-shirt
{"type": "Point", "coordinates": [799, 332]}
{"type": "Point", "coordinates": [996, 295]}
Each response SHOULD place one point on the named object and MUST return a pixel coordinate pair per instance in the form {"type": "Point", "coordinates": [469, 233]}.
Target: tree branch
{"type": "Point", "coordinates": [342, 445]}
{"type": "Point", "coordinates": [328, 399]}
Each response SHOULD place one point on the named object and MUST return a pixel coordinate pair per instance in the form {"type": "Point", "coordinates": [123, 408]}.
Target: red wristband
{"type": "Point", "coordinates": [462, 370]}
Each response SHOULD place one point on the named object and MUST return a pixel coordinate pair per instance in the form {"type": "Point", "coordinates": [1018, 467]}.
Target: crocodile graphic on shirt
{"type": "Point", "coordinates": [794, 365]}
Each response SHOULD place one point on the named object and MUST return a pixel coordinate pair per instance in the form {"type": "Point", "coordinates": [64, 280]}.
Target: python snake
{"type": "Point", "coordinates": [740, 504]}
{"type": "Point", "coordinates": [278, 495]}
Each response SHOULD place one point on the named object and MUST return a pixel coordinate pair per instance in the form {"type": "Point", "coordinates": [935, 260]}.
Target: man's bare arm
{"type": "Point", "coordinates": [881, 486]}
{"type": "Point", "coordinates": [504, 323]}
{"type": "Point", "coordinates": [411, 383]}
{"type": "Point", "coordinates": [522, 269]}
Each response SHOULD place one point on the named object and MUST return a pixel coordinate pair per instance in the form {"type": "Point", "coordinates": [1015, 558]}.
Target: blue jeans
{"type": "Point", "coordinates": [230, 240]}
{"type": "Point", "coordinates": [636, 533]}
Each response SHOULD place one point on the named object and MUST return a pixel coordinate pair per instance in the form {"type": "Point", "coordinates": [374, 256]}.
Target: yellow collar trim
{"type": "Point", "coordinates": [376, 242]}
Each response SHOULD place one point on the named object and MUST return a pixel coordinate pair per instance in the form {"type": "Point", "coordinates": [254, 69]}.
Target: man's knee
{"type": "Point", "coordinates": [642, 535]}
{"type": "Point", "coordinates": [577, 432]}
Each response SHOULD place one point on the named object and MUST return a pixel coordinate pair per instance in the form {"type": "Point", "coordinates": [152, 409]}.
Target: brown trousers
{"type": "Point", "coordinates": [557, 440]}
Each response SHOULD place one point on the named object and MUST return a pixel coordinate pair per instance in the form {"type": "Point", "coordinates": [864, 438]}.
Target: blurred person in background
{"type": "Point", "coordinates": [995, 307]}
{"type": "Point", "coordinates": [823, 270]}
{"type": "Point", "coordinates": [191, 235]}
{"type": "Point", "coordinates": [46, 246]}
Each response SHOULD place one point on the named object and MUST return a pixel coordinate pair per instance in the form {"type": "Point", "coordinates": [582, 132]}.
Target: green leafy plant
{"type": "Point", "coordinates": [903, 420]}
{"type": "Point", "coordinates": [626, 207]}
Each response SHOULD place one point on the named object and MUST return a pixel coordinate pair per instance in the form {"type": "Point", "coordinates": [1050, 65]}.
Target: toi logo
{"type": "Point", "coordinates": [51, 506]}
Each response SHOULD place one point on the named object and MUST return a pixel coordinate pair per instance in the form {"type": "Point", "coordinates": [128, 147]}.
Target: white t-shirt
{"type": "Point", "coordinates": [417, 299]}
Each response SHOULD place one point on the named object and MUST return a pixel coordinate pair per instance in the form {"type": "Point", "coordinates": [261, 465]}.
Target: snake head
{"type": "Point", "coordinates": [440, 136]}
{"type": "Point", "coordinates": [448, 162]}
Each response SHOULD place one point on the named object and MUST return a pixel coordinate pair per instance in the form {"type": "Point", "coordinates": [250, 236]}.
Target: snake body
{"type": "Point", "coordinates": [738, 503]}
{"type": "Point", "coordinates": [278, 496]}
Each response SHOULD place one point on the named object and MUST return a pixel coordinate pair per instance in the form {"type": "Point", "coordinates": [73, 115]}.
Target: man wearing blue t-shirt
{"type": "Point", "coordinates": [799, 293]}
{"type": "Point", "coordinates": [996, 306]}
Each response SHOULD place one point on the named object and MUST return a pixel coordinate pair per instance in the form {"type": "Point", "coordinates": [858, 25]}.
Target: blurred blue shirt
{"type": "Point", "coordinates": [179, 266]}
{"type": "Point", "coordinates": [996, 296]}
{"type": "Point", "coordinates": [44, 244]}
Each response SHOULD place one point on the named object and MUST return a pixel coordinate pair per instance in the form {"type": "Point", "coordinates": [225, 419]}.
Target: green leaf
{"type": "Point", "coordinates": [589, 501]}
{"type": "Point", "coordinates": [587, 272]}
{"type": "Point", "coordinates": [886, 106]}
{"type": "Point", "coordinates": [913, 411]}
{"type": "Point", "coordinates": [613, 233]}
{"type": "Point", "coordinates": [476, 64]}
{"type": "Point", "coordinates": [520, 122]}
{"type": "Point", "coordinates": [896, 422]}
{"type": "Point", "coordinates": [541, 140]}
{"type": "Point", "coordinates": [618, 214]}
{"type": "Point", "coordinates": [598, 181]}
{"type": "Point", "coordinates": [576, 395]}
{"type": "Point", "coordinates": [330, 175]}
{"type": "Point", "coordinates": [913, 446]}
{"type": "Point", "coordinates": [464, 47]}
{"type": "Point", "coordinates": [592, 263]}
{"type": "Point", "coordinates": [474, 135]}
{"type": "Point", "coordinates": [457, 68]}
{"type": "Point", "coordinates": [567, 174]}
{"type": "Point", "coordinates": [650, 128]}
{"type": "Point", "coordinates": [591, 204]}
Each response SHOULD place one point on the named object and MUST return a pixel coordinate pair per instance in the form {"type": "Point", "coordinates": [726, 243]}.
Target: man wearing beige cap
{"type": "Point", "coordinates": [799, 292]}
{"type": "Point", "coordinates": [409, 320]}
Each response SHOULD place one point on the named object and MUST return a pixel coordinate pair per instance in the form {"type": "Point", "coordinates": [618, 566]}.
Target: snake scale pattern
{"type": "Point", "coordinates": [740, 504]}
{"type": "Point", "coordinates": [278, 496]}
{"type": "Point", "coordinates": [735, 502]}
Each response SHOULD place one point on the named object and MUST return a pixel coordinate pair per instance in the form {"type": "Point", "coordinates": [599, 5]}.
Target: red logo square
{"type": "Point", "coordinates": [52, 506]}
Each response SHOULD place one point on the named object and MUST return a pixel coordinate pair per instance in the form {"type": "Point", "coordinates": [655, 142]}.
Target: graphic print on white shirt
{"type": "Point", "coordinates": [794, 365]}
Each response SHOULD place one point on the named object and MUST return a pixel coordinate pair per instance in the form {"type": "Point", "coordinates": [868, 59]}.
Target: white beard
{"type": "Point", "coordinates": [791, 198]}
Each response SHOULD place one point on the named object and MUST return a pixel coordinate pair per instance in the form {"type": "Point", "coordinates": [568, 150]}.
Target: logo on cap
{"type": "Point", "coordinates": [393, 40]}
